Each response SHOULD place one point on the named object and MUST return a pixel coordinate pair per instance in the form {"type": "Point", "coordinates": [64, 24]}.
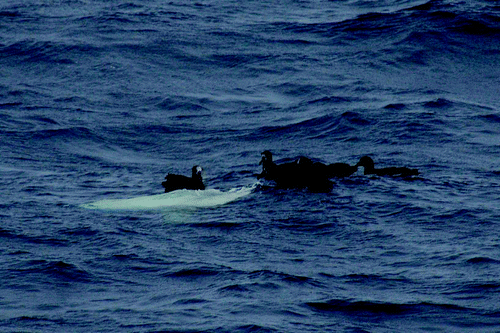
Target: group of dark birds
{"type": "Point", "coordinates": [300, 173]}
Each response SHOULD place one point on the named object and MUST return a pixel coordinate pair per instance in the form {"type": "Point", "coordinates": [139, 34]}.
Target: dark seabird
{"type": "Point", "coordinates": [280, 173]}
{"type": "Point", "coordinates": [369, 166]}
{"type": "Point", "coordinates": [178, 182]}
{"type": "Point", "coordinates": [334, 170]}
{"type": "Point", "coordinates": [300, 173]}
{"type": "Point", "coordinates": [269, 168]}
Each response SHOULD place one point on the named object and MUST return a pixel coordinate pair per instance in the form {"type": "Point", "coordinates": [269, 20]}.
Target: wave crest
{"type": "Point", "coordinates": [176, 199]}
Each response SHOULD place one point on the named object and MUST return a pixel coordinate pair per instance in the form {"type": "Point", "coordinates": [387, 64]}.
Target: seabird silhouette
{"type": "Point", "coordinates": [177, 182]}
{"type": "Point", "coordinates": [370, 169]}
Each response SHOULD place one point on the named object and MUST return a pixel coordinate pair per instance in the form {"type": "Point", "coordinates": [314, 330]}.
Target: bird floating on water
{"type": "Point", "coordinates": [303, 172]}
{"type": "Point", "coordinates": [177, 182]}
{"type": "Point", "coordinates": [369, 166]}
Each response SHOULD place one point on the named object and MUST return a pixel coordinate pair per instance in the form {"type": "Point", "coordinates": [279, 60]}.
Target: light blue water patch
{"type": "Point", "coordinates": [175, 199]}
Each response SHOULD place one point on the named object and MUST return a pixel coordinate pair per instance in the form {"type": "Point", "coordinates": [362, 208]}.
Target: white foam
{"type": "Point", "coordinates": [175, 199]}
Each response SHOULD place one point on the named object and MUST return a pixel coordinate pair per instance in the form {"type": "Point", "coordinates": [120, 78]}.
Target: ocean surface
{"type": "Point", "coordinates": [100, 99]}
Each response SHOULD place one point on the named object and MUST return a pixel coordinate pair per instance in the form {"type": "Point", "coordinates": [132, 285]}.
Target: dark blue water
{"type": "Point", "coordinates": [100, 99]}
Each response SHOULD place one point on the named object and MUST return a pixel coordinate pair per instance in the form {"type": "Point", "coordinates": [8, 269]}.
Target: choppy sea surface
{"type": "Point", "coordinates": [99, 100]}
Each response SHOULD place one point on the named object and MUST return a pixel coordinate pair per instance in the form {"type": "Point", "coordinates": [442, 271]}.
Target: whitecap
{"type": "Point", "coordinates": [175, 199]}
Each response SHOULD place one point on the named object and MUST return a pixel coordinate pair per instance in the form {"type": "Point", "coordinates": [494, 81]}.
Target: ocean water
{"type": "Point", "coordinates": [100, 99]}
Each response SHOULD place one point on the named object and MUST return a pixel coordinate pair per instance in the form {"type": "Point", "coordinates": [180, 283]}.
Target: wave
{"type": "Point", "coordinates": [58, 271]}
{"type": "Point", "coordinates": [374, 279]}
{"type": "Point", "coordinates": [492, 118]}
{"type": "Point", "coordinates": [71, 133]}
{"type": "Point", "coordinates": [418, 34]}
{"type": "Point", "coordinates": [45, 51]}
{"type": "Point", "coordinates": [316, 128]}
{"type": "Point", "coordinates": [253, 328]}
{"type": "Point", "coordinates": [483, 260]}
{"type": "Point", "coordinates": [176, 199]}
{"type": "Point", "coordinates": [12, 235]}
{"type": "Point", "coordinates": [279, 277]}
{"type": "Point", "coordinates": [182, 104]}
{"type": "Point", "coordinates": [9, 13]}
{"type": "Point", "coordinates": [381, 308]}
{"type": "Point", "coordinates": [481, 287]}
{"type": "Point", "coordinates": [195, 273]}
